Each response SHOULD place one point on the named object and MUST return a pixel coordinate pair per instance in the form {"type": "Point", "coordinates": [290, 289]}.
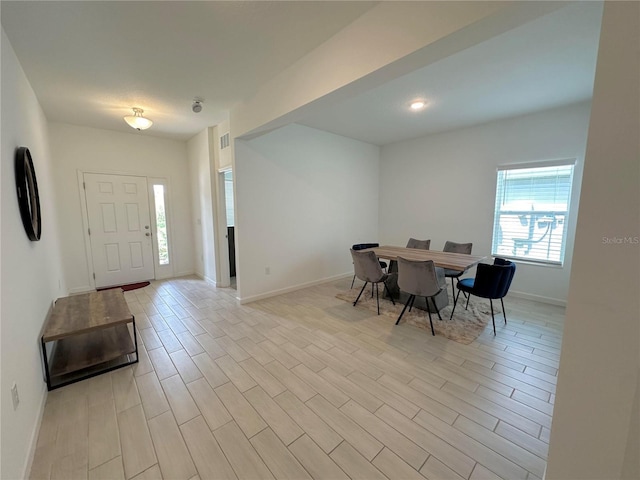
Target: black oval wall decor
{"type": "Point", "coordinates": [28, 198]}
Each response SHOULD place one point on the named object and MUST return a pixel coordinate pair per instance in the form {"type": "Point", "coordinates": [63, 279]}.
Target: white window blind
{"type": "Point", "coordinates": [531, 211]}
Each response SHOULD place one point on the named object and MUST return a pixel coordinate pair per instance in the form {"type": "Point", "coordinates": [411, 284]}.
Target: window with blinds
{"type": "Point", "coordinates": [531, 212]}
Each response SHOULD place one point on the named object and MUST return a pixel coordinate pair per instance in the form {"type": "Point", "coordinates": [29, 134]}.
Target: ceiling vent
{"type": "Point", "coordinates": [224, 141]}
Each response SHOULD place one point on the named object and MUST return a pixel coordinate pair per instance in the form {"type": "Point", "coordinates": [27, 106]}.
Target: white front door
{"type": "Point", "coordinates": [119, 228]}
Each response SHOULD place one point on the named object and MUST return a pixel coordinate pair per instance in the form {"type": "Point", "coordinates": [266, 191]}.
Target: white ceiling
{"type": "Point", "coordinates": [90, 62]}
{"type": "Point", "coordinates": [546, 63]}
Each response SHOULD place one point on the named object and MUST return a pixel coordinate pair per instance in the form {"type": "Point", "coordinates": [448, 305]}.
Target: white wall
{"type": "Point", "coordinates": [594, 434]}
{"type": "Point", "coordinates": [303, 196]}
{"type": "Point", "coordinates": [198, 153]}
{"type": "Point", "coordinates": [93, 150]}
{"type": "Point", "coordinates": [443, 186]}
{"type": "Point", "coordinates": [31, 271]}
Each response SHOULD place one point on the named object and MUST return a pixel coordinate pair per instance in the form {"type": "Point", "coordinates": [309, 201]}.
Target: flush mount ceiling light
{"type": "Point", "coordinates": [417, 105]}
{"type": "Point", "coordinates": [137, 121]}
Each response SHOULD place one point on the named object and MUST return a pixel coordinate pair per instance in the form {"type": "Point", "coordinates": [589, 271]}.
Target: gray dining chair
{"type": "Point", "coordinates": [421, 244]}
{"type": "Point", "coordinates": [412, 243]}
{"type": "Point", "coordinates": [420, 278]}
{"type": "Point", "coordinates": [362, 246]}
{"type": "Point", "coordinates": [453, 247]}
{"type": "Point", "coordinates": [368, 269]}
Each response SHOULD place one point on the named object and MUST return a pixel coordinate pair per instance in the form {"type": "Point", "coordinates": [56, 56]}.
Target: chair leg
{"type": "Point", "coordinates": [377, 297]}
{"type": "Point", "coordinates": [430, 321]}
{"type": "Point", "coordinates": [405, 307]}
{"type": "Point", "coordinates": [504, 312]}
{"type": "Point", "coordinates": [353, 281]}
{"type": "Point", "coordinates": [455, 301]}
{"type": "Point", "coordinates": [412, 300]}
{"type": "Point", "coordinates": [493, 319]}
{"type": "Point", "coordinates": [434, 306]}
{"type": "Point", "coordinates": [464, 294]}
{"type": "Point", "coordinates": [466, 307]}
{"type": "Point", "coordinates": [362, 290]}
{"type": "Point", "coordinates": [388, 293]}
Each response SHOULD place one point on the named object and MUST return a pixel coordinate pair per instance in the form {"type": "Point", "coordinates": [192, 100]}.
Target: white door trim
{"type": "Point", "coordinates": [85, 229]}
{"type": "Point", "coordinates": [223, 269]}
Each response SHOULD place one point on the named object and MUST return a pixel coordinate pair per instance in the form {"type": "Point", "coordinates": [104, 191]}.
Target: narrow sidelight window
{"type": "Point", "coordinates": [161, 225]}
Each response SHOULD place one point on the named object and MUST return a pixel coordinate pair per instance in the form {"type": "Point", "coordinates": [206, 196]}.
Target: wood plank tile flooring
{"type": "Point", "coordinates": [306, 386]}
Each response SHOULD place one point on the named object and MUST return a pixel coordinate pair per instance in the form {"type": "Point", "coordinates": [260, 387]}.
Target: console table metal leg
{"type": "Point", "coordinates": [46, 364]}
{"type": "Point", "coordinates": [135, 338]}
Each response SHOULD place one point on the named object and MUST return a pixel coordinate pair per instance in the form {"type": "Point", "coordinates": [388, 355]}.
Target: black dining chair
{"type": "Point", "coordinates": [492, 282]}
{"type": "Point", "coordinates": [362, 246]}
{"type": "Point", "coordinates": [368, 269]}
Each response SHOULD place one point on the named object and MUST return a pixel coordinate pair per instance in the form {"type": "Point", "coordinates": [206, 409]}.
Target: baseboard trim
{"type": "Point", "coordinates": [33, 442]}
{"type": "Point", "coordinates": [538, 298]}
{"type": "Point", "coordinates": [83, 289]}
{"type": "Point", "coordinates": [209, 280]}
{"type": "Point", "coordinates": [293, 288]}
{"type": "Point", "coordinates": [187, 274]}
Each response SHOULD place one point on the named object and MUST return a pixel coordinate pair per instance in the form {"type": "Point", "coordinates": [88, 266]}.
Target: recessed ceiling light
{"type": "Point", "coordinates": [418, 105]}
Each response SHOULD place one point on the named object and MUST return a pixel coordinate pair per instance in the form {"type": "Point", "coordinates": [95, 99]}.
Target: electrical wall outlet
{"type": "Point", "coordinates": [267, 270]}
{"type": "Point", "coordinates": [15, 398]}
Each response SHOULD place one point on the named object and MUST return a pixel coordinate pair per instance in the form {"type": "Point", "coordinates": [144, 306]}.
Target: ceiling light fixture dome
{"type": "Point", "coordinates": [137, 121]}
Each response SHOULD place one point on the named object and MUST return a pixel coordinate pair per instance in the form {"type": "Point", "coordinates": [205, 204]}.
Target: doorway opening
{"type": "Point", "coordinates": [230, 216]}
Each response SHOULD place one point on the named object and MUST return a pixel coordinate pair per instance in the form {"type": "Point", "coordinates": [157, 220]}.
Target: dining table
{"type": "Point", "coordinates": [453, 261]}
{"type": "Point", "coordinates": [460, 262]}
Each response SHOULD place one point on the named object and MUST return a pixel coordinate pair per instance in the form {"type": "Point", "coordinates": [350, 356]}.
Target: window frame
{"type": "Point", "coordinates": [229, 197]}
{"type": "Point", "coordinates": [166, 270]}
{"type": "Point", "coordinates": [499, 190]}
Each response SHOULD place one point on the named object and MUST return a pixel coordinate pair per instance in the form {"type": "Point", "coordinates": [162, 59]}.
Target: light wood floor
{"type": "Point", "coordinates": [306, 386]}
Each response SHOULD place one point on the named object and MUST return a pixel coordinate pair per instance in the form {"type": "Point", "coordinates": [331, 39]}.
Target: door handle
{"type": "Point", "coordinates": [147, 234]}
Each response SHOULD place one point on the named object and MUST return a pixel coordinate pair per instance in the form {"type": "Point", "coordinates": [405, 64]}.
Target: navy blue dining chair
{"type": "Point", "coordinates": [492, 282]}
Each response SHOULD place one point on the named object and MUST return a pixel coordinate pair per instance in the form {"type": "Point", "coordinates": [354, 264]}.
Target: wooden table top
{"type": "Point", "coordinates": [453, 261]}
{"type": "Point", "coordinates": [84, 313]}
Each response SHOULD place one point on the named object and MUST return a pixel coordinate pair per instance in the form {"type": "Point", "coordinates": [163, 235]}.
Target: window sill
{"type": "Point", "coordinates": [521, 261]}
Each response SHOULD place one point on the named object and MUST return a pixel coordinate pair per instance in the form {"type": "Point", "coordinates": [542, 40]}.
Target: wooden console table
{"type": "Point", "coordinates": [88, 334]}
